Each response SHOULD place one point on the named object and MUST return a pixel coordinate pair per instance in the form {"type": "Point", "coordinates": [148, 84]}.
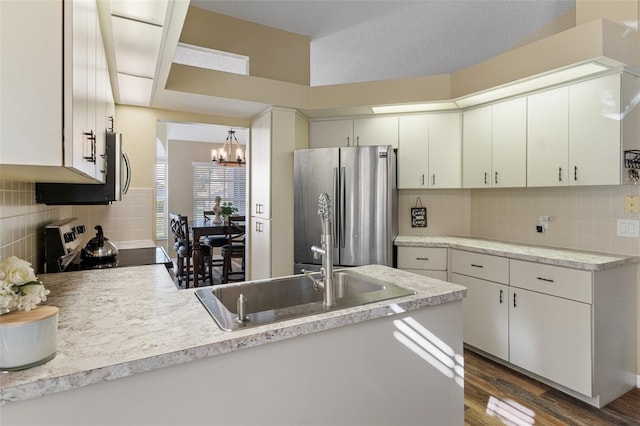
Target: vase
{"type": "Point", "coordinates": [28, 339]}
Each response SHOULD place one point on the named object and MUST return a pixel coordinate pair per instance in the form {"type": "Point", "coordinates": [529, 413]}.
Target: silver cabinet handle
{"type": "Point", "coordinates": [514, 301]}
{"type": "Point", "coordinates": [348, 140]}
{"type": "Point", "coordinates": [496, 178]}
{"type": "Point", "coordinates": [357, 140]}
{"type": "Point", "coordinates": [559, 174]}
{"type": "Point", "coordinates": [501, 295]}
{"type": "Point", "coordinates": [548, 280]}
{"type": "Point", "coordinates": [485, 178]}
{"type": "Point", "coordinates": [433, 180]}
{"type": "Point", "coordinates": [477, 266]}
{"type": "Point", "coordinates": [423, 179]}
{"type": "Point", "coordinates": [575, 173]}
{"type": "Point", "coordinates": [422, 258]}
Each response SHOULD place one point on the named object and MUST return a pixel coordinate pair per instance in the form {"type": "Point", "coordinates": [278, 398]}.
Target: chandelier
{"type": "Point", "coordinates": [230, 154]}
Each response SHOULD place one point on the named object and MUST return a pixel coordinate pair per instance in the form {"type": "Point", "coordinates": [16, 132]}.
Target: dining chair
{"type": "Point", "coordinates": [214, 241]}
{"type": "Point", "coordinates": [234, 249]}
{"type": "Point", "coordinates": [183, 245]}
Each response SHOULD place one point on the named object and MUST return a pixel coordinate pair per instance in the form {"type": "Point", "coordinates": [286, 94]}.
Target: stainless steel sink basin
{"type": "Point", "coordinates": [278, 299]}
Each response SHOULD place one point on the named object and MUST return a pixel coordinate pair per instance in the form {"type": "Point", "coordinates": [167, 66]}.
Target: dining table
{"type": "Point", "coordinates": [202, 228]}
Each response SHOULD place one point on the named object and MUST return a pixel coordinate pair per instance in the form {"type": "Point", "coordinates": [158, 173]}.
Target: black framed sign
{"type": "Point", "coordinates": [418, 215]}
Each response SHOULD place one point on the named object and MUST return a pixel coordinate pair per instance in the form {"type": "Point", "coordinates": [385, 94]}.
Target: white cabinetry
{"type": "Point", "coordinates": [577, 133]}
{"type": "Point", "coordinates": [494, 145]}
{"type": "Point", "coordinates": [428, 261]}
{"type": "Point", "coordinates": [48, 128]}
{"type": "Point", "coordinates": [430, 151]}
{"type": "Point", "coordinates": [354, 132]}
{"type": "Point", "coordinates": [485, 309]}
{"type": "Point", "coordinates": [595, 150]}
{"type": "Point", "coordinates": [572, 328]}
{"type": "Point", "coordinates": [548, 138]}
{"type": "Point", "coordinates": [273, 136]}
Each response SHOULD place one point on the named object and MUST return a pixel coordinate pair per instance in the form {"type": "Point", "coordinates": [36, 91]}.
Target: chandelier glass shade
{"type": "Point", "coordinates": [231, 154]}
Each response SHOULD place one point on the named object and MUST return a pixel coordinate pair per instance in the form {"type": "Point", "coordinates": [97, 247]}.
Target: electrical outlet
{"type": "Point", "coordinates": [628, 228]}
{"type": "Point", "coordinates": [631, 204]}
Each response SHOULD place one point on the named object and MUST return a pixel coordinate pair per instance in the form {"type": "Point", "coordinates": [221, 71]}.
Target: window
{"type": "Point", "coordinates": [161, 200]}
{"type": "Point", "coordinates": [210, 181]}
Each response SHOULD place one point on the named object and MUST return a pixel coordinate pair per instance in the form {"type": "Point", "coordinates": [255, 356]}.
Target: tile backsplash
{"type": "Point", "coordinates": [583, 218]}
{"type": "Point", "coordinates": [22, 221]}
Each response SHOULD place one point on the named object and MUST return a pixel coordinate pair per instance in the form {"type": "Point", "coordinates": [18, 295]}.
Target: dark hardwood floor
{"type": "Point", "coordinates": [515, 399]}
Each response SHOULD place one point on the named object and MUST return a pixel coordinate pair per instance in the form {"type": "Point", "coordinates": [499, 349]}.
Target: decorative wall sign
{"type": "Point", "coordinates": [418, 215]}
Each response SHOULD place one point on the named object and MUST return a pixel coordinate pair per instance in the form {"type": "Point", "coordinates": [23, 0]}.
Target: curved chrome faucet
{"type": "Point", "coordinates": [326, 251]}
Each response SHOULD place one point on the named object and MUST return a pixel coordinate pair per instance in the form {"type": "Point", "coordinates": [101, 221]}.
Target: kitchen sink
{"type": "Point", "coordinates": [277, 299]}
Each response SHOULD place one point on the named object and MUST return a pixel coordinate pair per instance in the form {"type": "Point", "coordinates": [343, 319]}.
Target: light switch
{"type": "Point", "coordinates": [631, 204]}
{"type": "Point", "coordinates": [628, 228]}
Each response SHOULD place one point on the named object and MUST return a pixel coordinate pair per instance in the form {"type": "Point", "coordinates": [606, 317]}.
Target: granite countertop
{"type": "Point", "coordinates": [118, 322]}
{"type": "Point", "coordinates": [590, 261]}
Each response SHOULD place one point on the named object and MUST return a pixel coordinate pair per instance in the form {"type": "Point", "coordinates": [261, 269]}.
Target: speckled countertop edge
{"type": "Point", "coordinates": [576, 259]}
{"type": "Point", "coordinates": [119, 322]}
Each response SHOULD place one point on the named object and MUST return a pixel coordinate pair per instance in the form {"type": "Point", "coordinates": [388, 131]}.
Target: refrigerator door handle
{"type": "Point", "coordinates": [343, 203]}
{"type": "Point", "coordinates": [336, 205]}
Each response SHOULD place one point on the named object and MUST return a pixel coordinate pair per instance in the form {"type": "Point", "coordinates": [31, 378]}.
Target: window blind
{"type": "Point", "coordinates": [161, 201]}
{"type": "Point", "coordinates": [210, 181]}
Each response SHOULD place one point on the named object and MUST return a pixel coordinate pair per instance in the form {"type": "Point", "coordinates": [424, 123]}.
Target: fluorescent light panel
{"type": "Point", "coordinates": [151, 11]}
{"type": "Point", "coordinates": [134, 90]}
{"type": "Point", "coordinates": [394, 109]}
{"type": "Point", "coordinates": [136, 46]}
{"type": "Point", "coordinates": [217, 60]}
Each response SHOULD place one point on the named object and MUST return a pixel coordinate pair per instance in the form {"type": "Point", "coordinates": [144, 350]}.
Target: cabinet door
{"type": "Point", "coordinates": [413, 151]}
{"type": "Point", "coordinates": [326, 134]}
{"type": "Point", "coordinates": [376, 131]}
{"type": "Point", "coordinates": [485, 315]}
{"type": "Point", "coordinates": [79, 127]}
{"type": "Point", "coordinates": [509, 144]}
{"type": "Point", "coordinates": [445, 150]}
{"type": "Point", "coordinates": [594, 131]}
{"type": "Point", "coordinates": [261, 166]}
{"type": "Point", "coordinates": [551, 336]}
{"type": "Point", "coordinates": [476, 148]}
{"type": "Point", "coordinates": [30, 87]}
{"type": "Point", "coordinates": [260, 246]}
{"type": "Point", "coordinates": [548, 138]}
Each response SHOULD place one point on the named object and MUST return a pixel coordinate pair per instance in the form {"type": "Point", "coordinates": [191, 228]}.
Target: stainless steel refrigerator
{"type": "Point", "coordinates": [361, 182]}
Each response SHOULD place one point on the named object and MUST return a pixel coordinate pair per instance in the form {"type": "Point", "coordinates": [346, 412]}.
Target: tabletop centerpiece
{"type": "Point", "coordinates": [27, 331]}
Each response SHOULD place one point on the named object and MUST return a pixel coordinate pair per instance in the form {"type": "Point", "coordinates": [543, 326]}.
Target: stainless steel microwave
{"type": "Point", "coordinates": [117, 181]}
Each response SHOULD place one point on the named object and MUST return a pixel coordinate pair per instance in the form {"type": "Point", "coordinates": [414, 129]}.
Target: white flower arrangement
{"type": "Point", "coordinates": [19, 288]}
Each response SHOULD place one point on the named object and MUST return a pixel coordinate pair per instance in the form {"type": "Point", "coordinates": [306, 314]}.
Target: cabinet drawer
{"type": "Point", "coordinates": [485, 266]}
{"type": "Point", "coordinates": [422, 258]}
{"type": "Point", "coordinates": [571, 284]}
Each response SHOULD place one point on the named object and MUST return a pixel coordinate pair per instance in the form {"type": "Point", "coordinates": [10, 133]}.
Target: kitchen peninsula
{"type": "Point", "coordinates": [133, 349]}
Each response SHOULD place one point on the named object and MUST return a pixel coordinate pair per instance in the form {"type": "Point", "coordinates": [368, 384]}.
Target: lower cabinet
{"type": "Point", "coordinates": [485, 315]}
{"type": "Point", "coordinates": [575, 329]}
{"type": "Point", "coordinates": [551, 337]}
{"type": "Point", "coordinates": [427, 261]}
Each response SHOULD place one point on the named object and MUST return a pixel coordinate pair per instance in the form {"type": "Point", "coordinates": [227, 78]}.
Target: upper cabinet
{"type": "Point", "coordinates": [354, 132]}
{"type": "Point", "coordinates": [55, 104]}
{"type": "Point", "coordinates": [548, 138]}
{"type": "Point", "coordinates": [595, 149]}
{"type": "Point", "coordinates": [430, 151]}
{"type": "Point", "coordinates": [494, 145]}
{"type": "Point", "coordinates": [577, 134]}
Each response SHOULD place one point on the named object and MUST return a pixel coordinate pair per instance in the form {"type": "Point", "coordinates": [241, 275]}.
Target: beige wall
{"type": "Point", "coordinates": [181, 154]}
{"type": "Point", "coordinates": [273, 53]}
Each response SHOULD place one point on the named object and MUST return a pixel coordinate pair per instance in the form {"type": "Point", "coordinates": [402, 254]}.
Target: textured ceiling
{"type": "Point", "coordinates": [353, 41]}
